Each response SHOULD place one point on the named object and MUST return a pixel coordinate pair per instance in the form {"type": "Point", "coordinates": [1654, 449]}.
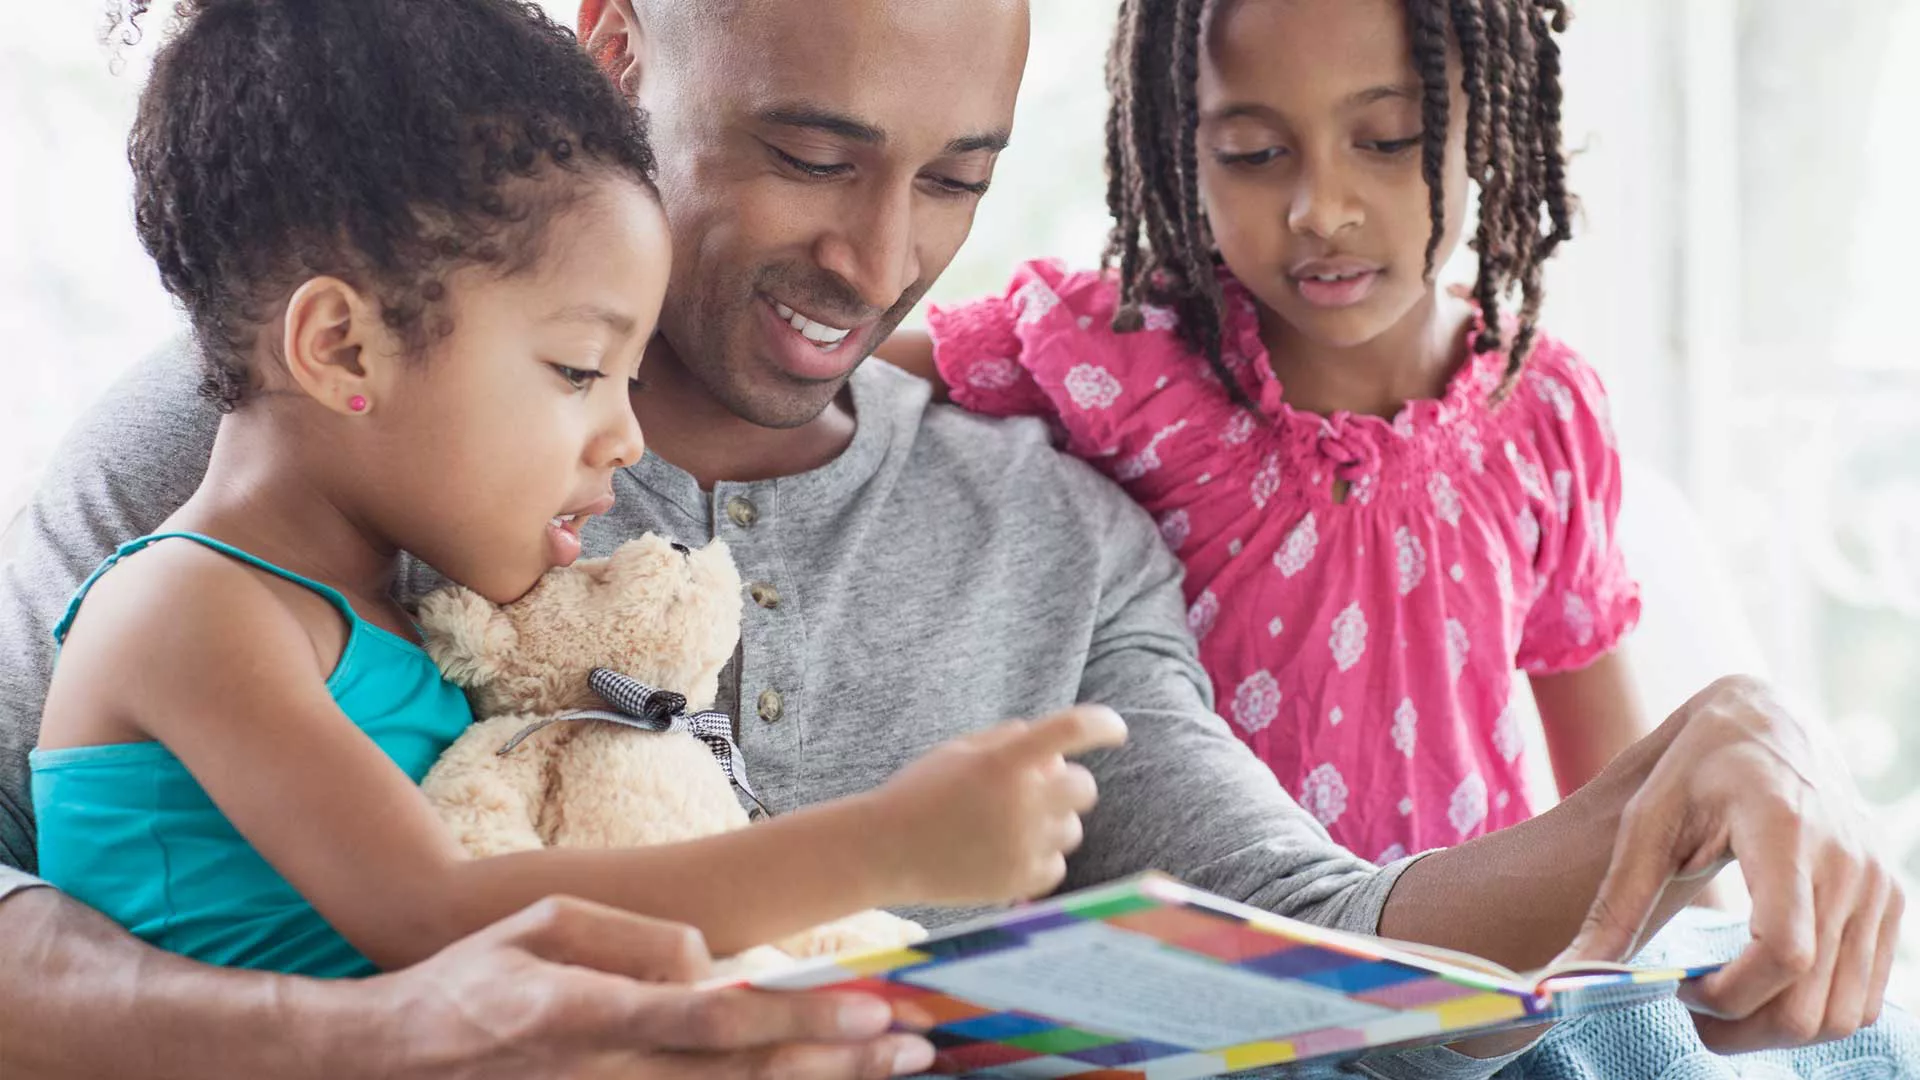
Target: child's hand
{"type": "Point", "coordinates": [992, 816]}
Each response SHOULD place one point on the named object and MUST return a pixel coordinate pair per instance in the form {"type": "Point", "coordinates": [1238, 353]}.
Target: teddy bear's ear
{"type": "Point", "coordinates": [468, 637]}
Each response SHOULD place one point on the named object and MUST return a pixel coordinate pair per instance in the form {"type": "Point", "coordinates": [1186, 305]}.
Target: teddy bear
{"type": "Point", "coordinates": [590, 696]}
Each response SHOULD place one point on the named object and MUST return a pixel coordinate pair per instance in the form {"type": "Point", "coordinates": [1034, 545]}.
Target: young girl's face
{"type": "Point", "coordinates": [1309, 162]}
{"type": "Point", "coordinates": [503, 440]}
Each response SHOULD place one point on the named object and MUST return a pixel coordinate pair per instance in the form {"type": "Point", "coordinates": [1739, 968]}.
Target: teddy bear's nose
{"type": "Point", "coordinates": [683, 549]}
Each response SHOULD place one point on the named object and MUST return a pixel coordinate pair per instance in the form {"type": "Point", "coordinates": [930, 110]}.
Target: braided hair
{"type": "Point", "coordinates": [1510, 68]}
{"type": "Point", "coordinates": [384, 142]}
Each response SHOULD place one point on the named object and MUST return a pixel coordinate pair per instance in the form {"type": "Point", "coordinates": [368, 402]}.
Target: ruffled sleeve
{"type": "Point", "coordinates": [1046, 347]}
{"type": "Point", "coordinates": [1587, 600]}
{"type": "Point", "coordinates": [981, 352]}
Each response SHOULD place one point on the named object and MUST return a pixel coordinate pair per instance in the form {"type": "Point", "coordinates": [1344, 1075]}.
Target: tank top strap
{"type": "Point", "coordinates": [330, 594]}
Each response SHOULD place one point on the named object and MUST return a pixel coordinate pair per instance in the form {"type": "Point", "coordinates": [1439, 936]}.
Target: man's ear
{"type": "Point", "coordinates": [614, 37]}
{"type": "Point", "coordinates": [333, 345]}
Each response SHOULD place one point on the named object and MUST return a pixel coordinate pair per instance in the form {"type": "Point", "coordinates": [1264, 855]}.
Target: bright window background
{"type": "Point", "coordinates": [1743, 281]}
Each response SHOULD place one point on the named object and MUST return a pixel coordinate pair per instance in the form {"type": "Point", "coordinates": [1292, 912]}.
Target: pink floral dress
{"type": "Point", "coordinates": [1363, 648]}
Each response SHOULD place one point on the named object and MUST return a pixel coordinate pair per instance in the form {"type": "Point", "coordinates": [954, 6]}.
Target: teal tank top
{"type": "Point", "coordinates": [126, 829]}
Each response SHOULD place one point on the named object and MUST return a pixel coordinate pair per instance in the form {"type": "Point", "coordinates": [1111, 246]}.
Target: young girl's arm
{"type": "Point", "coordinates": [213, 665]}
{"type": "Point", "coordinates": [912, 351]}
{"type": "Point", "coordinates": [1589, 716]}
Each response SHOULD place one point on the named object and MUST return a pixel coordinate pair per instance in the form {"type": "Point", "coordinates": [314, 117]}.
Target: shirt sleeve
{"type": "Point", "coordinates": [1588, 602]}
{"type": "Point", "coordinates": [123, 470]}
{"type": "Point", "coordinates": [981, 355]}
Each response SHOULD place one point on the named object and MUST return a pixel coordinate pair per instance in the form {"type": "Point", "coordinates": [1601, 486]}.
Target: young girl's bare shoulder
{"type": "Point", "coordinates": [162, 619]}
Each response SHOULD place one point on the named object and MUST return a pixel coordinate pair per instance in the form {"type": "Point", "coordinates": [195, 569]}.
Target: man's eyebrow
{"type": "Point", "coordinates": [621, 323]}
{"type": "Point", "coordinates": [846, 127]}
{"type": "Point", "coordinates": [991, 141]}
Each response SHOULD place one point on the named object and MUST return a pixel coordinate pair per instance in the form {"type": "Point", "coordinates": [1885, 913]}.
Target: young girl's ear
{"type": "Point", "coordinates": [334, 344]}
{"type": "Point", "coordinates": [616, 39]}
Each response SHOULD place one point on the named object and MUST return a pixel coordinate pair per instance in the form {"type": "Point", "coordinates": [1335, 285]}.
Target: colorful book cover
{"type": "Point", "coordinates": [1151, 979]}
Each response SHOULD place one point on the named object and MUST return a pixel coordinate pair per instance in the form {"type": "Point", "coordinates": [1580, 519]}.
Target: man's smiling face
{"type": "Point", "coordinates": [821, 161]}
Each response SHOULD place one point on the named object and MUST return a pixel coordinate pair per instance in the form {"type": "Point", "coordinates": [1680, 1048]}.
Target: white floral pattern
{"type": "Point", "coordinates": [1410, 559]}
{"type": "Point", "coordinates": [1296, 551]}
{"type": "Point", "coordinates": [1203, 613]}
{"type": "Point", "coordinates": [1529, 533]}
{"type": "Point", "coordinates": [1092, 387]}
{"type": "Point", "coordinates": [1555, 393]}
{"type": "Point", "coordinates": [1324, 794]}
{"type": "Point", "coordinates": [1406, 807]}
{"type": "Point", "coordinates": [1274, 627]}
{"type": "Point", "coordinates": [1406, 727]}
{"type": "Point", "coordinates": [1349, 638]}
{"type": "Point", "coordinates": [1597, 525]}
{"type": "Point", "coordinates": [1475, 452]}
{"type": "Point", "coordinates": [1033, 301]}
{"type": "Point", "coordinates": [1238, 430]}
{"type": "Point", "coordinates": [994, 373]}
{"type": "Point", "coordinates": [1534, 484]}
{"type": "Point", "coordinates": [1335, 715]}
{"type": "Point", "coordinates": [1267, 481]}
{"type": "Point", "coordinates": [1446, 500]}
{"type": "Point", "coordinates": [1148, 459]}
{"type": "Point", "coordinates": [1507, 739]}
{"type": "Point", "coordinates": [1563, 493]}
{"type": "Point", "coordinates": [1175, 527]}
{"type": "Point", "coordinates": [1257, 701]}
{"type": "Point", "coordinates": [1457, 648]}
{"type": "Point", "coordinates": [1579, 620]}
{"type": "Point", "coordinates": [1394, 853]}
{"type": "Point", "coordinates": [1468, 808]}
{"type": "Point", "coordinates": [1154, 317]}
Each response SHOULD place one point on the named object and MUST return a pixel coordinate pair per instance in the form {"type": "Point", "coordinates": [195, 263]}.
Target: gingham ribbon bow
{"type": "Point", "coordinates": [637, 705]}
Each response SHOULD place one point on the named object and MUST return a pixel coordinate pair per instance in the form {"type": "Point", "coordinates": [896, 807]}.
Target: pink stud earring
{"type": "Point", "coordinates": [357, 403]}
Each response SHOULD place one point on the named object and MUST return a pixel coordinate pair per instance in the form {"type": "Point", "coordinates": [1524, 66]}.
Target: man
{"type": "Point", "coordinates": [920, 573]}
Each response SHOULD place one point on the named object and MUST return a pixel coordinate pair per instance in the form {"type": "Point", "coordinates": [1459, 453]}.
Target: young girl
{"type": "Point", "coordinates": [420, 250]}
{"type": "Point", "coordinates": [1386, 499]}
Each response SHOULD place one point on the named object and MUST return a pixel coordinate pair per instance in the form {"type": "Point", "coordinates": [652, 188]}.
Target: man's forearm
{"type": "Point", "coordinates": [1518, 896]}
{"type": "Point", "coordinates": [79, 997]}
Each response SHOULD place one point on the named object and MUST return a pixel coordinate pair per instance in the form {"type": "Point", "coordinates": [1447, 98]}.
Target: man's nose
{"type": "Point", "coordinates": [874, 252]}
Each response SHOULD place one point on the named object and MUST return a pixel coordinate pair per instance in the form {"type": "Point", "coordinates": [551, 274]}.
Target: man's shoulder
{"type": "Point", "coordinates": [1009, 469]}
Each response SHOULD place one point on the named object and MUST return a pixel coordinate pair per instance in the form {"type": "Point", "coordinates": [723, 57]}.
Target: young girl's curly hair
{"type": "Point", "coordinates": [384, 142]}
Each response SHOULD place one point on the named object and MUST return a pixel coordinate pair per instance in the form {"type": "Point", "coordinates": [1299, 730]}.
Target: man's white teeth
{"type": "Point", "coordinates": [818, 333]}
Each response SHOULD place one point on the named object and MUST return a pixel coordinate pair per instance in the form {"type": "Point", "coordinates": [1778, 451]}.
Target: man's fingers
{"type": "Point", "coordinates": [676, 1018]}
{"type": "Point", "coordinates": [585, 934]}
{"type": "Point", "coordinates": [893, 1055]}
{"type": "Point", "coordinates": [1785, 945]}
{"type": "Point", "coordinates": [1072, 731]}
{"type": "Point", "coordinates": [1643, 863]}
{"type": "Point", "coordinates": [1852, 979]}
{"type": "Point", "coordinates": [1886, 948]}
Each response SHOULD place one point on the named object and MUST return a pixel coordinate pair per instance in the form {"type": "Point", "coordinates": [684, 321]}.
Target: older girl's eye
{"type": "Point", "coordinates": [1251, 160]}
{"type": "Point", "coordinates": [578, 378]}
{"type": "Point", "coordinates": [1392, 147]}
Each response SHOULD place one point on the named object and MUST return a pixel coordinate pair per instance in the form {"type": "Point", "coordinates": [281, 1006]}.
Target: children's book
{"type": "Point", "coordinates": [1151, 979]}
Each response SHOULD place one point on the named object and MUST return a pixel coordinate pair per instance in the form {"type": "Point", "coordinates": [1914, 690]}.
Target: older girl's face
{"type": "Point", "coordinates": [1310, 163]}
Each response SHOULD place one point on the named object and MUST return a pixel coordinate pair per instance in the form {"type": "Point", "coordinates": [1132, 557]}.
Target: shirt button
{"type": "Point", "coordinates": [765, 595]}
{"type": "Point", "coordinates": [771, 706]}
{"type": "Point", "coordinates": [742, 512]}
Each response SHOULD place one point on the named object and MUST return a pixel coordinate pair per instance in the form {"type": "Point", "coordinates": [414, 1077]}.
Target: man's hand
{"type": "Point", "coordinates": [571, 989]}
{"type": "Point", "coordinates": [1740, 779]}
